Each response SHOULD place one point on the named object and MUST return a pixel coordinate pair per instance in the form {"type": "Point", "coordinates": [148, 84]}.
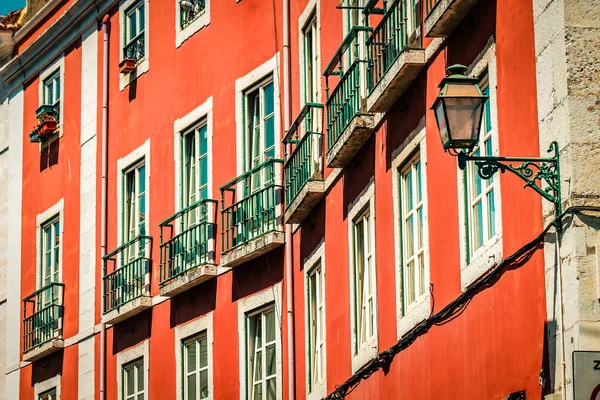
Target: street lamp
{"type": "Point", "coordinates": [459, 111]}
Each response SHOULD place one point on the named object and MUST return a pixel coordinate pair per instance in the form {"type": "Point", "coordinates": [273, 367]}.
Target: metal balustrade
{"type": "Point", "coordinates": [130, 273]}
{"type": "Point", "coordinates": [135, 49]}
{"type": "Point", "coordinates": [430, 5]}
{"type": "Point", "coordinates": [194, 242]}
{"type": "Point", "coordinates": [347, 99]}
{"type": "Point", "coordinates": [388, 40]}
{"type": "Point", "coordinates": [257, 210]}
{"type": "Point", "coordinates": [43, 316]}
{"type": "Point", "coordinates": [189, 11]}
{"type": "Point", "coordinates": [305, 162]}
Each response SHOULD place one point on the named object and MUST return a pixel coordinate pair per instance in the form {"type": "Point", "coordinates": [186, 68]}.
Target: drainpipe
{"type": "Point", "coordinates": [289, 284]}
{"type": "Point", "coordinates": [103, 197]}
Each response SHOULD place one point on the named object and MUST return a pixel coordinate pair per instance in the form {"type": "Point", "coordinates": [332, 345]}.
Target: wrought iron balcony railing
{"type": "Point", "coordinates": [305, 162]}
{"type": "Point", "coordinates": [127, 272]}
{"type": "Point", "coordinates": [43, 316]}
{"type": "Point", "coordinates": [430, 5]}
{"type": "Point", "coordinates": [187, 240]}
{"type": "Point", "coordinates": [190, 10]}
{"type": "Point", "coordinates": [254, 205]}
{"type": "Point", "coordinates": [388, 40]}
{"type": "Point", "coordinates": [347, 99]}
{"type": "Point", "coordinates": [135, 49]}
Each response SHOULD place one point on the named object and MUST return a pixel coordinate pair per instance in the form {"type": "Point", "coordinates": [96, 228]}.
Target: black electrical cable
{"type": "Point", "coordinates": [453, 309]}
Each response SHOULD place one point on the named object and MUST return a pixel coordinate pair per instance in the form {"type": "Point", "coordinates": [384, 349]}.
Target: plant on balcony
{"type": "Point", "coordinates": [127, 65]}
{"type": "Point", "coordinates": [47, 117]}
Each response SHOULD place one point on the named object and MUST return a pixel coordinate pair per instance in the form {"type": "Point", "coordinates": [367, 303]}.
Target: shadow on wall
{"type": "Point", "coordinates": [358, 173]}
{"type": "Point", "coordinates": [47, 367]}
{"type": "Point", "coordinates": [312, 231]}
{"type": "Point", "coordinates": [258, 274]}
{"type": "Point", "coordinates": [193, 303]}
{"type": "Point", "coordinates": [49, 155]}
{"type": "Point", "coordinates": [132, 331]}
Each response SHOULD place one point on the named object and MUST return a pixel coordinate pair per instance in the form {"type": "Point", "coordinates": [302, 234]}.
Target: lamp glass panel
{"type": "Point", "coordinates": [462, 89]}
{"type": "Point", "coordinates": [464, 120]}
{"type": "Point", "coordinates": [442, 124]}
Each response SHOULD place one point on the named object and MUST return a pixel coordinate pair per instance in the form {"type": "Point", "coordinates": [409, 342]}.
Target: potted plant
{"type": "Point", "coordinates": [34, 136]}
{"type": "Point", "coordinates": [47, 126]}
{"type": "Point", "coordinates": [44, 110]}
{"type": "Point", "coordinates": [127, 65]}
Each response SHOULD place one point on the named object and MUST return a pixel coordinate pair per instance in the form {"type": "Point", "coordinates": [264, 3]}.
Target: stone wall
{"type": "Point", "coordinates": [3, 230]}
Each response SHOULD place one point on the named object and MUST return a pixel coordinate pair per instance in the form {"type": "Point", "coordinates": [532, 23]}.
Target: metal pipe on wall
{"type": "Point", "coordinates": [105, 31]}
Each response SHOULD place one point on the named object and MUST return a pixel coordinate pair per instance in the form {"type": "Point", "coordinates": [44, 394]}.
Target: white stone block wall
{"type": "Point", "coordinates": [3, 230]}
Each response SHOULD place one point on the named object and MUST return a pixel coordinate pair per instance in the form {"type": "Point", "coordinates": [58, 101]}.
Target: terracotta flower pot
{"type": "Point", "coordinates": [127, 65]}
{"type": "Point", "coordinates": [47, 127]}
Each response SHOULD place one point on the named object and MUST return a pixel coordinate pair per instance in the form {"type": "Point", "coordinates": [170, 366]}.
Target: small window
{"type": "Point", "coordinates": [50, 240]}
{"type": "Point", "coordinates": [316, 326]}
{"type": "Point", "coordinates": [190, 10]}
{"type": "Point", "coordinates": [133, 380]}
{"type": "Point", "coordinates": [312, 75]}
{"type": "Point", "coordinates": [481, 208]}
{"type": "Point", "coordinates": [262, 356]}
{"type": "Point", "coordinates": [411, 228]}
{"type": "Point", "coordinates": [134, 208]}
{"type": "Point", "coordinates": [364, 274]}
{"type": "Point", "coordinates": [195, 367]}
{"type": "Point", "coordinates": [195, 161]}
{"type": "Point", "coordinates": [51, 92]}
{"type": "Point", "coordinates": [48, 395]}
{"type": "Point", "coordinates": [134, 32]}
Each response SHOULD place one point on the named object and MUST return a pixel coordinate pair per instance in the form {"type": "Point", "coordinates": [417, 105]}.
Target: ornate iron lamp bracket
{"type": "Point", "coordinates": [540, 174]}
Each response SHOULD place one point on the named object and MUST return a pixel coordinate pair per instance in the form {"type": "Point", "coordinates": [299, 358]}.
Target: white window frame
{"type": "Point", "coordinates": [139, 155]}
{"type": "Point", "coordinates": [246, 306]}
{"type": "Point", "coordinates": [183, 332]}
{"type": "Point", "coordinates": [142, 67]}
{"type": "Point", "coordinates": [312, 9]}
{"type": "Point", "coordinates": [141, 350]}
{"type": "Point", "coordinates": [368, 350]}
{"type": "Point", "coordinates": [135, 365]}
{"type": "Point", "coordinates": [57, 66]}
{"type": "Point", "coordinates": [181, 35]}
{"type": "Point", "coordinates": [475, 265]}
{"type": "Point", "coordinates": [44, 386]}
{"type": "Point", "coordinates": [54, 212]}
{"type": "Point", "coordinates": [420, 309]}
{"type": "Point", "coordinates": [315, 260]}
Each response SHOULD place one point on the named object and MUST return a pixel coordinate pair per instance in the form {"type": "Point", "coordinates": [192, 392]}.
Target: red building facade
{"type": "Point", "coordinates": [154, 220]}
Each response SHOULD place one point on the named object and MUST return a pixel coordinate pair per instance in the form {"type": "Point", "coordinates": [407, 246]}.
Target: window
{"type": "Point", "coordinates": [51, 92]}
{"type": "Point", "coordinates": [364, 274]}
{"type": "Point", "coordinates": [133, 380]}
{"type": "Point", "coordinates": [190, 10]}
{"type": "Point", "coordinates": [134, 46]}
{"type": "Point", "coordinates": [316, 326]}
{"type": "Point", "coordinates": [259, 103]}
{"type": "Point", "coordinates": [48, 395]}
{"type": "Point", "coordinates": [312, 75]}
{"type": "Point", "coordinates": [262, 354]}
{"type": "Point", "coordinates": [134, 208]}
{"type": "Point", "coordinates": [413, 247]}
{"type": "Point", "coordinates": [195, 171]}
{"type": "Point", "coordinates": [480, 203]}
{"type": "Point", "coordinates": [195, 367]}
{"type": "Point", "coordinates": [50, 252]}
{"type": "Point", "coordinates": [413, 12]}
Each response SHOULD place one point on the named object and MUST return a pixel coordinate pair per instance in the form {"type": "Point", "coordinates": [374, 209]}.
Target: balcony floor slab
{"type": "Point", "coordinates": [188, 280]}
{"type": "Point", "coordinates": [253, 249]}
{"type": "Point", "coordinates": [446, 16]}
{"type": "Point", "coordinates": [128, 310]}
{"type": "Point", "coordinates": [304, 202]}
{"type": "Point", "coordinates": [44, 350]}
{"type": "Point", "coordinates": [351, 140]}
{"type": "Point", "coordinates": [396, 80]}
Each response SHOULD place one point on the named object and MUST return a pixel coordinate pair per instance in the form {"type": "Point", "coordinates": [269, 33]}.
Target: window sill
{"type": "Point", "coordinates": [184, 34]}
{"type": "Point", "coordinates": [481, 262]}
{"type": "Point", "coordinates": [126, 79]}
{"type": "Point", "coordinates": [366, 353]}
{"type": "Point", "coordinates": [417, 312]}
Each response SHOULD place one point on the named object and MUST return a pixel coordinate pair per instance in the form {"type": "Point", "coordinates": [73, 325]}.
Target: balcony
{"type": "Point", "coordinates": [48, 117]}
{"type": "Point", "coordinates": [348, 124]}
{"type": "Point", "coordinates": [190, 10]}
{"type": "Point", "coordinates": [127, 273]}
{"type": "Point", "coordinates": [251, 214]}
{"type": "Point", "coordinates": [442, 16]}
{"type": "Point", "coordinates": [303, 170]}
{"type": "Point", "coordinates": [395, 60]}
{"type": "Point", "coordinates": [187, 248]}
{"type": "Point", "coordinates": [43, 322]}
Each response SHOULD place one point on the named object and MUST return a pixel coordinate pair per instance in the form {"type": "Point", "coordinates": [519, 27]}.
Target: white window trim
{"type": "Point", "coordinates": [204, 110]}
{"type": "Point", "coordinates": [48, 384]}
{"type": "Point", "coordinates": [141, 350]}
{"type": "Point", "coordinates": [57, 209]}
{"type": "Point", "coordinates": [142, 67]}
{"type": "Point", "coordinates": [182, 332]}
{"type": "Point", "coordinates": [246, 305]}
{"type": "Point", "coordinates": [319, 391]}
{"type": "Point", "coordinates": [491, 252]}
{"type": "Point", "coordinates": [421, 308]}
{"type": "Point", "coordinates": [313, 6]}
{"type": "Point", "coordinates": [46, 73]}
{"type": "Point", "coordinates": [142, 152]}
{"type": "Point", "coordinates": [181, 35]}
{"type": "Point", "coordinates": [271, 66]}
{"type": "Point", "coordinates": [368, 350]}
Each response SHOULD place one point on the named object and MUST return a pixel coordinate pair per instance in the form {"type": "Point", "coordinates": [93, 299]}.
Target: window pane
{"type": "Point", "coordinates": [258, 366]}
{"type": "Point", "coordinates": [129, 379]}
{"type": "Point", "coordinates": [203, 344]}
{"type": "Point", "coordinates": [491, 214]}
{"type": "Point", "coordinates": [270, 360]}
{"type": "Point", "coordinates": [257, 391]}
{"type": "Point", "coordinates": [203, 132]}
{"type": "Point", "coordinates": [142, 18]}
{"type": "Point", "coordinates": [269, 133]}
{"type": "Point", "coordinates": [203, 171]}
{"type": "Point", "coordinates": [271, 390]}
{"type": "Point", "coordinates": [191, 387]}
{"type": "Point", "coordinates": [140, 376]}
{"type": "Point", "coordinates": [270, 326]}
{"type": "Point", "coordinates": [269, 99]}
{"type": "Point", "coordinates": [204, 384]}
{"type": "Point", "coordinates": [478, 225]}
